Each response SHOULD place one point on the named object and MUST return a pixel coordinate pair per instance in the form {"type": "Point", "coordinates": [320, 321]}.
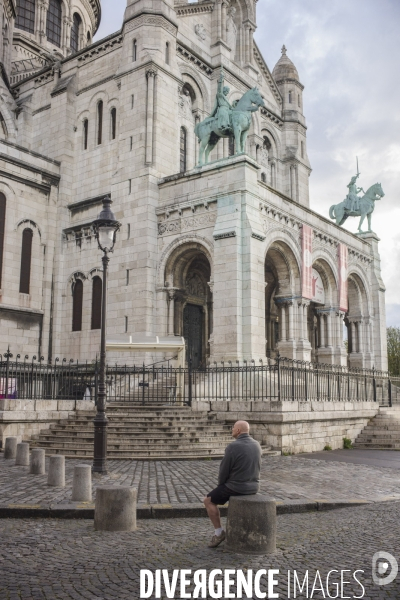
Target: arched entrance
{"type": "Point", "coordinates": [282, 285]}
{"type": "Point", "coordinates": [190, 300]}
{"type": "Point", "coordinates": [359, 324]}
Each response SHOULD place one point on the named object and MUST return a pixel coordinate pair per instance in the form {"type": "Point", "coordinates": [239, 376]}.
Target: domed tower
{"type": "Point", "coordinates": [297, 166]}
{"type": "Point", "coordinates": [47, 30]}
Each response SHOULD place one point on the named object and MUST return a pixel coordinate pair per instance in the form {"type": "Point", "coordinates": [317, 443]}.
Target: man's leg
{"type": "Point", "coordinates": [213, 512]}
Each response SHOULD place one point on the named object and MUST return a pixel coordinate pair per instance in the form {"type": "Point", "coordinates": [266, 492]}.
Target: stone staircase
{"type": "Point", "coordinates": [141, 433]}
{"type": "Point", "coordinates": [382, 432]}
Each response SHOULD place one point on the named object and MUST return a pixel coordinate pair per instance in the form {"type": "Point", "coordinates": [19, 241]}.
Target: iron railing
{"type": "Point", "coordinates": [279, 379]}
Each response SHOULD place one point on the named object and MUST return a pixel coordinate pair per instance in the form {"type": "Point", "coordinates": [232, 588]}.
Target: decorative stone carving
{"type": "Point", "coordinates": [194, 286]}
{"type": "Point", "coordinates": [200, 31]}
{"type": "Point", "coordinates": [231, 30]}
{"type": "Point", "coordinates": [263, 157]}
{"type": "Point", "coordinates": [185, 105]}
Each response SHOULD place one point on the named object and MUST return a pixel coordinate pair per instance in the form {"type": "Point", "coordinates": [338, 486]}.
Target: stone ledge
{"type": "Point", "coordinates": [169, 511]}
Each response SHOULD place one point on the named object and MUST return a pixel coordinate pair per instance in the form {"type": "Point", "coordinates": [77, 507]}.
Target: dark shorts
{"type": "Point", "coordinates": [221, 494]}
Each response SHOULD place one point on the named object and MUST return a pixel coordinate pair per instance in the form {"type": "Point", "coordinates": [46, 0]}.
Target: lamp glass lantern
{"type": "Point", "coordinates": [106, 227]}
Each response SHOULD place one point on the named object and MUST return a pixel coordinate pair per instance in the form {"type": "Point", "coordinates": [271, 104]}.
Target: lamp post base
{"type": "Point", "coordinates": [100, 444]}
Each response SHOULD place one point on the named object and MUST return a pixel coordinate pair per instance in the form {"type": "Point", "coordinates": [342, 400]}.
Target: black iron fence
{"type": "Point", "coordinates": [278, 379]}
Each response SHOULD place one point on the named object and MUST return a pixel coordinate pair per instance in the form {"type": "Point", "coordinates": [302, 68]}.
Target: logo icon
{"type": "Point", "coordinates": [384, 568]}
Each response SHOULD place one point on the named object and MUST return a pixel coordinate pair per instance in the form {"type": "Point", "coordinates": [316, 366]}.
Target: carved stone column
{"type": "Point", "coordinates": [290, 305]}
{"type": "Point", "coordinates": [321, 330]}
{"type": "Point", "coordinates": [283, 322]}
{"type": "Point", "coordinates": [303, 351]}
{"type": "Point", "coordinates": [223, 20]}
{"type": "Point", "coordinates": [329, 341]}
{"type": "Point", "coordinates": [66, 35]}
{"type": "Point", "coordinates": [151, 76]}
{"type": "Point", "coordinates": [273, 175]}
{"type": "Point", "coordinates": [171, 312]}
{"type": "Point", "coordinates": [41, 20]}
{"type": "Point", "coordinates": [251, 31]}
{"type": "Point", "coordinates": [219, 17]}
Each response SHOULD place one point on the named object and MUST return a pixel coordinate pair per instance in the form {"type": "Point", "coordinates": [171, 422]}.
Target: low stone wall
{"type": "Point", "coordinates": [24, 418]}
{"type": "Point", "coordinates": [297, 426]}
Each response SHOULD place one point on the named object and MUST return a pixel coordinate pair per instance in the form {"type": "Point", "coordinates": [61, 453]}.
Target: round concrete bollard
{"type": "Point", "coordinates": [82, 484]}
{"type": "Point", "coordinates": [10, 448]}
{"type": "Point", "coordinates": [251, 525]}
{"type": "Point", "coordinates": [115, 508]}
{"type": "Point", "coordinates": [38, 462]}
{"type": "Point", "coordinates": [56, 476]}
{"type": "Point", "coordinates": [22, 458]}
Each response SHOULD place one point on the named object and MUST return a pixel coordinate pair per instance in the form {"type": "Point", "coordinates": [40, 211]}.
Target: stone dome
{"type": "Point", "coordinates": [284, 68]}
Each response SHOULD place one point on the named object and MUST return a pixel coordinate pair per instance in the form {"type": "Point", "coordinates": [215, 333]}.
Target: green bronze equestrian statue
{"type": "Point", "coordinates": [355, 205]}
{"type": "Point", "coordinates": [226, 120]}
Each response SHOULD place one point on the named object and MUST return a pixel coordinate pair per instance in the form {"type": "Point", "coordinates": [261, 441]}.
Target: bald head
{"type": "Point", "coordinates": [240, 427]}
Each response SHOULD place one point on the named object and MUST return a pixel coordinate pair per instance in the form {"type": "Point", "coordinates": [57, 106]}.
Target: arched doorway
{"type": "Point", "coordinates": [359, 324]}
{"type": "Point", "coordinates": [190, 300]}
{"type": "Point", "coordinates": [282, 289]}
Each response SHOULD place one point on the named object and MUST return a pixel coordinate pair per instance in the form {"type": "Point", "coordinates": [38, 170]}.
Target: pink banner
{"type": "Point", "coordinates": [343, 261]}
{"type": "Point", "coordinates": [306, 276]}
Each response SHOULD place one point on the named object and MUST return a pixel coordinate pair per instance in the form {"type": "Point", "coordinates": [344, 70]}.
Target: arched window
{"type": "Point", "coordinates": [97, 291]}
{"type": "Point", "coordinates": [134, 51]}
{"type": "Point", "coordinates": [25, 15]}
{"type": "Point", "coordinates": [99, 122]}
{"type": "Point", "coordinates": [26, 259]}
{"type": "Point", "coordinates": [77, 303]}
{"type": "Point", "coordinates": [2, 229]}
{"type": "Point", "coordinates": [183, 144]}
{"type": "Point", "coordinates": [85, 134]}
{"type": "Point", "coordinates": [113, 123]}
{"type": "Point", "coordinates": [76, 27]}
{"type": "Point", "coordinates": [167, 53]}
{"type": "Point", "coordinates": [53, 26]}
{"type": "Point", "coordinates": [89, 38]}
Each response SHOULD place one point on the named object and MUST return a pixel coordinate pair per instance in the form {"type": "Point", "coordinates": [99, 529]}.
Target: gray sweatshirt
{"type": "Point", "coordinates": [240, 467]}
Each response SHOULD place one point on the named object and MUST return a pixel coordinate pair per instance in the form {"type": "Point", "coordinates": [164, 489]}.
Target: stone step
{"type": "Point", "coordinates": [376, 446]}
{"type": "Point", "coordinates": [145, 427]}
{"type": "Point", "coordinates": [136, 441]}
{"type": "Point", "coordinates": [130, 447]}
{"type": "Point", "coordinates": [210, 436]}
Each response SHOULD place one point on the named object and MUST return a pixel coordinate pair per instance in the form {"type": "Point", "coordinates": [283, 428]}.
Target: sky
{"type": "Point", "coordinates": [347, 53]}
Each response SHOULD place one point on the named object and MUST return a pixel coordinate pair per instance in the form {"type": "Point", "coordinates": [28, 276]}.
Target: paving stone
{"type": "Point", "coordinates": [186, 482]}
{"type": "Point", "coordinates": [70, 560]}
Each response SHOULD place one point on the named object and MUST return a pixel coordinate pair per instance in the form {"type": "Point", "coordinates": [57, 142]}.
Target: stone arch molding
{"type": "Point", "coordinates": [73, 278]}
{"type": "Point", "coordinates": [286, 237]}
{"type": "Point", "coordinates": [365, 291]}
{"type": "Point", "coordinates": [193, 74]}
{"type": "Point", "coordinates": [29, 223]}
{"type": "Point", "coordinates": [204, 245]}
{"type": "Point", "coordinates": [321, 254]}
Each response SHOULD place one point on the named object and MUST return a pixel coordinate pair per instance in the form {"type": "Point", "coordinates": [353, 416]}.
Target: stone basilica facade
{"type": "Point", "coordinates": [228, 255]}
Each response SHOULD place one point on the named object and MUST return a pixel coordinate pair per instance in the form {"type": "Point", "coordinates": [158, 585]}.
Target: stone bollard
{"type": "Point", "coordinates": [10, 448]}
{"type": "Point", "coordinates": [82, 484]}
{"type": "Point", "coordinates": [22, 458]}
{"type": "Point", "coordinates": [38, 461]}
{"type": "Point", "coordinates": [251, 525]}
{"type": "Point", "coordinates": [56, 476]}
{"type": "Point", "coordinates": [115, 508]}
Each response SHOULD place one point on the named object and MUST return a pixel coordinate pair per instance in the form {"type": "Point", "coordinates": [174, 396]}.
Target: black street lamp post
{"type": "Point", "coordinates": [105, 230]}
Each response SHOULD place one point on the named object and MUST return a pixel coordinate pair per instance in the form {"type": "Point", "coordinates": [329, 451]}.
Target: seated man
{"type": "Point", "coordinates": [239, 475]}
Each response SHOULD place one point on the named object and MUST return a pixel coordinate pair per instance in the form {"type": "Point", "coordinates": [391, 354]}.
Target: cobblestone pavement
{"type": "Point", "coordinates": [53, 559]}
{"type": "Point", "coordinates": [175, 482]}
